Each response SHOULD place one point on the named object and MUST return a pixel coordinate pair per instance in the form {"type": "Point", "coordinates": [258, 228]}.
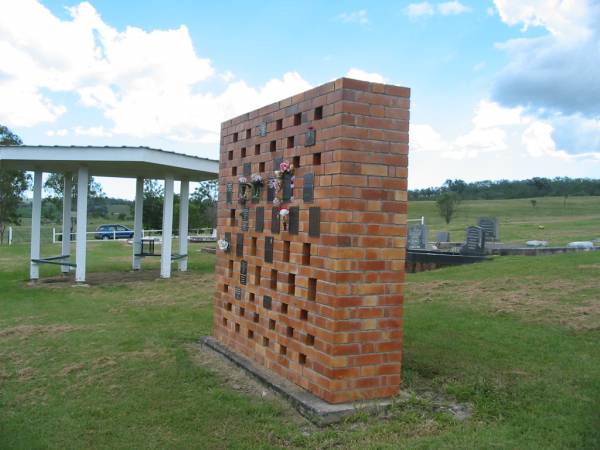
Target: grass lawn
{"type": "Point", "coordinates": [515, 341]}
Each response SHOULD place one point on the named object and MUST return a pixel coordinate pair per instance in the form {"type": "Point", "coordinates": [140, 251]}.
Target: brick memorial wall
{"type": "Point", "coordinates": [315, 292]}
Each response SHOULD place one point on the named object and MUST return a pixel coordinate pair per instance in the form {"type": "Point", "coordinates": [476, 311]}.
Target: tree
{"type": "Point", "coordinates": [447, 204]}
{"type": "Point", "coordinates": [55, 184]}
{"type": "Point", "coordinates": [13, 184]}
{"type": "Point", "coordinates": [154, 195]}
{"type": "Point", "coordinates": [533, 202]}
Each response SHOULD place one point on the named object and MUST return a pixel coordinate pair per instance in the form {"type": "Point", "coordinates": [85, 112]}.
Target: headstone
{"type": "Point", "coordinates": [277, 162]}
{"type": "Point", "coordinates": [294, 220]}
{"type": "Point", "coordinates": [310, 137]}
{"type": "Point", "coordinates": [314, 221]}
{"type": "Point", "coordinates": [586, 245]}
{"type": "Point", "coordinates": [308, 188]}
{"type": "Point", "coordinates": [536, 243]}
{"type": "Point", "coordinates": [229, 193]}
{"type": "Point", "coordinates": [245, 218]}
{"type": "Point", "coordinates": [270, 190]}
{"type": "Point", "coordinates": [443, 236]}
{"type": "Point", "coordinates": [239, 245]}
{"type": "Point", "coordinates": [247, 169]}
{"type": "Point", "coordinates": [474, 241]}
{"type": "Point", "coordinates": [259, 224]}
{"type": "Point", "coordinates": [228, 239]}
{"type": "Point", "coordinates": [275, 219]}
{"type": "Point", "coordinates": [238, 293]}
{"type": "Point", "coordinates": [262, 128]}
{"type": "Point", "coordinates": [269, 249]}
{"type": "Point", "coordinates": [286, 187]}
{"type": "Point", "coordinates": [267, 302]}
{"type": "Point", "coordinates": [243, 272]}
{"type": "Point", "coordinates": [490, 226]}
{"type": "Point", "coordinates": [417, 236]}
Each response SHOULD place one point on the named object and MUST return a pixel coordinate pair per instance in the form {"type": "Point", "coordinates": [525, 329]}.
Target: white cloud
{"type": "Point", "coordinates": [360, 74]}
{"type": "Point", "coordinates": [96, 132]}
{"type": "Point", "coordinates": [414, 10]}
{"type": "Point", "coordinates": [61, 132]}
{"type": "Point", "coordinates": [361, 17]}
{"type": "Point", "coordinates": [451, 8]}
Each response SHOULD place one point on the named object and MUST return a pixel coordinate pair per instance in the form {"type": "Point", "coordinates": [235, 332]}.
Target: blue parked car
{"type": "Point", "coordinates": [113, 232]}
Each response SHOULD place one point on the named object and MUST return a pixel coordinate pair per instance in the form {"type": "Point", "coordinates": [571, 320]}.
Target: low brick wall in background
{"type": "Point", "coordinates": [319, 302]}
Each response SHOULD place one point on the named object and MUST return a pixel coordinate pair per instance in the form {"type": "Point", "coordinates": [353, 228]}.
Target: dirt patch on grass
{"type": "Point", "coordinates": [570, 303]}
{"type": "Point", "coordinates": [27, 331]}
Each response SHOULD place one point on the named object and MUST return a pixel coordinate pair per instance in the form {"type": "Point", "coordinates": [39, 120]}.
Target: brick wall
{"type": "Point", "coordinates": [325, 310]}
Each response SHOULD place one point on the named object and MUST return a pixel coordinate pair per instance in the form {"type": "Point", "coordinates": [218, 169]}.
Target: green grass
{"type": "Point", "coordinates": [519, 220]}
{"type": "Point", "coordinates": [515, 339]}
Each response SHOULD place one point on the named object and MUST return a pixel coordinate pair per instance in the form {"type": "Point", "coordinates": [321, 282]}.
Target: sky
{"type": "Point", "coordinates": [504, 89]}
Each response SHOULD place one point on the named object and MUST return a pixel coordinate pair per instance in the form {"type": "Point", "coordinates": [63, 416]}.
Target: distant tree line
{"type": "Point", "coordinates": [507, 189]}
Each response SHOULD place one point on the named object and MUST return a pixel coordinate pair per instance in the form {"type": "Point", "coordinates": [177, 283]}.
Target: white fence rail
{"type": "Point", "coordinates": [105, 236]}
{"type": "Point", "coordinates": [421, 220]}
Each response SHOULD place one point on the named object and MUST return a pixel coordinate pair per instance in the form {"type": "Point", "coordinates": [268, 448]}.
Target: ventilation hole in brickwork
{"type": "Point", "coordinates": [250, 334]}
{"type": "Point", "coordinates": [243, 152]}
{"type": "Point", "coordinates": [237, 327]}
{"type": "Point", "coordinates": [265, 341]}
{"type": "Point", "coordinates": [284, 308]}
{"type": "Point", "coordinates": [271, 324]}
{"type": "Point", "coordinates": [301, 359]}
{"type": "Point", "coordinates": [256, 318]}
{"type": "Point", "coordinates": [248, 133]}
{"type": "Point", "coordinates": [279, 124]}
{"type": "Point", "coordinates": [230, 268]}
{"type": "Point", "coordinates": [232, 217]}
{"type": "Point", "coordinates": [289, 332]}
{"type": "Point", "coordinates": [230, 155]}
{"type": "Point", "coordinates": [253, 247]}
{"type": "Point", "coordinates": [251, 297]}
{"type": "Point", "coordinates": [303, 314]}
{"type": "Point", "coordinates": [273, 146]}
{"type": "Point", "coordinates": [310, 339]}
{"type": "Point", "coordinates": [225, 288]}
{"type": "Point", "coordinates": [261, 166]}
{"type": "Point", "coordinates": [228, 306]}
{"type": "Point", "coordinates": [316, 159]}
{"type": "Point", "coordinates": [286, 251]}
{"type": "Point", "coordinates": [274, 279]}
{"type": "Point", "coordinates": [291, 284]}
{"type": "Point", "coordinates": [257, 149]}
{"type": "Point", "coordinates": [257, 271]}
{"type": "Point", "coordinates": [318, 113]}
{"type": "Point", "coordinates": [235, 137]}
{"type": "Point", "coordinates": [224, 321]}
{"type": "Point", "coordinates": [290, 142]}
{"type": "Point", "coordinates": [312, 289]}
{"type": "Point", "coordinates": [297, 119]}
{"type": "Point", "coordinates": [242, 312]}
{"type": "Point", "coordinates": [282, 350]}
{"type": "Point", "coordinates": [306, 254]}
{"type": "Point", "coordinates": [296, 161]}
{"type": "Point", "coordinates": [234, 171]}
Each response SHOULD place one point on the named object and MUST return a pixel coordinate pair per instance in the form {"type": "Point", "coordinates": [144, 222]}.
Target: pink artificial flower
{"type": "Point", "coordinates": [284, 166]}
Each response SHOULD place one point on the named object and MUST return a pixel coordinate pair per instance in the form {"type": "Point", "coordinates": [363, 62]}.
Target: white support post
{"type": "Point", "coordinates": [82, 193]}
{"type": "Point", "coordinates": [138, 232]}
{"type": "Point", "coordinates": [184, 201]}
{"type": "Point", "coordinates": [167, 231]}
{"type": "Point", "coordinates": [66, 219]}
{"type": "Point", "coordinates": [36, 219]}
{"type": "Point", "coordinates": [10, 235]}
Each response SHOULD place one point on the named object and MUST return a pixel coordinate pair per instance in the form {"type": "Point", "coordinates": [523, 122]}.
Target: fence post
{"type": "Point", "coordinates": [114, 234]}
{"type": "Point", "coordinates": [422, 220]}
{"type": "Point", "coordinates": [54, 235]}
{"type": "Point", "coordinates": [10, 235]}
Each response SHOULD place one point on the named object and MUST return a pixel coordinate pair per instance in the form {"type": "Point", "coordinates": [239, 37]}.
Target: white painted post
{"type": "Point", "coordinates": [138, 232]}
{"type": "Point", "coordinates": [36, 219]}
{"type": "Point", "coordinates": [66, 220]}
{"type": "Point", "coordinates": [10, 235]}
{"type": "Point", "coordinates": [82, 193]}
{"type": "Point", "coordinates": [54, 235]}
{"type": "Point", "coordinates": [184, 202]}
{"type": "Point", "coordinates": [167, 231]}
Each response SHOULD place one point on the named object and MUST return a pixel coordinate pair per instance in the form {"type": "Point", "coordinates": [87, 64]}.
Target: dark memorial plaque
{"type": "Point", "coordinates": [228, 239]}
{"type": "Point", "coordinates": [310, 137]}
{"type": "Point", "coordinates": [269, 249]}
{"type": "Point", "coordinates": [239, 245]}
{"type": "Point", "coordinates": [474, 241]}
{"type": "Point", "coordinates": [229, 193]}
{"type": "Point", "coordinates": [286, 187]}
{"type": "Point", "coordinates": [243, 272]}
{"type": "Point", "coordinates": [443, 236]}
{"type": "Point", "coordinates": [417, 236]}
{"type": "Point", "coordinates": [267, 302]}
{"type": "Point", "coordinates": [259, 224]}
{"type": "Point", "coordinates": [270, 190]}
{"type": "Point", "coordinates": [277, 162]}
{"type": "Point", "coordinates": [309, 188]}
{"type": "Point", "coordinates": [238, 293]}
{"type": "Point", "coordinates": [247, 169]}
{"type": "Point", "coordinates": [294, 220]}
{"type": "Point", "coordinates": [262, 128]}
{"type": "Point", "coordinates": [314, 221]}
{"type": "Point", "coordinates": [275, 219]}
{"type": "Point", "coordinates": [245, 218]}
{"type": "Point", "coordinates": [490, 226]}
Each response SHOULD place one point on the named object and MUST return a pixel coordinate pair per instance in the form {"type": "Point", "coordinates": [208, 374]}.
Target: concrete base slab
{"type": "Point", "coordinates": [310, 406]}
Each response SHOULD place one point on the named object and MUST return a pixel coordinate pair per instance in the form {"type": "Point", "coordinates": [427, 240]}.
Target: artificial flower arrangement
{"type": "Point", "coordinates": [223, 245]}
{"type": "Point", "coordinates": [245, 190]}
{"type": "Point", "coordinates": [256, 180]}
{"type": "Point", "coordinates": [275, 183]}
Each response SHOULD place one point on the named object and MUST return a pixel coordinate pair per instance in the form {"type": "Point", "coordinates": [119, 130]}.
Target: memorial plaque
{"type": "Point", "coordinates": [490, 226]}
{"type": "Point", "coordinates": [314, 221]}
{"type": "Point", "coordinates": [262, 128]}
{"type": "Point", "coordinates": [245, 218]}
{"type": "Point", "coordinates": [287, 191]}
{"type": "Point", "coordinates": [270, 190]}
{"type": "Point", "coordinates": [294, 220]}
{"type": "Point", "coordinates": [310, 137]}
{"type": "Point", "coordinates": [243, 272]}
{"type": "Point", "coordinates": [267, 302]}
{"type": "Point", "coordinates": [443, 236]}
{"type": "Point", "coordinates": [275, 219]}
{"type": "Point", "coordinates": [238, 293]}
{"type": "Point", "coordinates": [229, 193]}
{"type": "Point", "coordinates": [269, 249]}
{"type": "Point", "coordinates": [277, 162]}
{"type": "Point", "coordinates": [417, 236]}
{"type": "Point", "coordinates": [247, 169]}
{"type": "Point", "coordinates": [474, 241]}
{"type": "Point", "coordinates": [308, 189]}
{"type": "Point", "coordinates": [228, 239]}
{"type": "Point", "coordinates": [239, 245]}
{"type": "Point", "coordinates": [259, 224]}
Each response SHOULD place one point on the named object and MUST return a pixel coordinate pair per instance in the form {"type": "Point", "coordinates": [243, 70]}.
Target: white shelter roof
{"type": "Point", "coordinates": [126, 162]}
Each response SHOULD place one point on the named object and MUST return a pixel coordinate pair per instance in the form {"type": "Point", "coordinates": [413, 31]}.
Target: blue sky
{"type": "Point", "coordinates": [503, 89]}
